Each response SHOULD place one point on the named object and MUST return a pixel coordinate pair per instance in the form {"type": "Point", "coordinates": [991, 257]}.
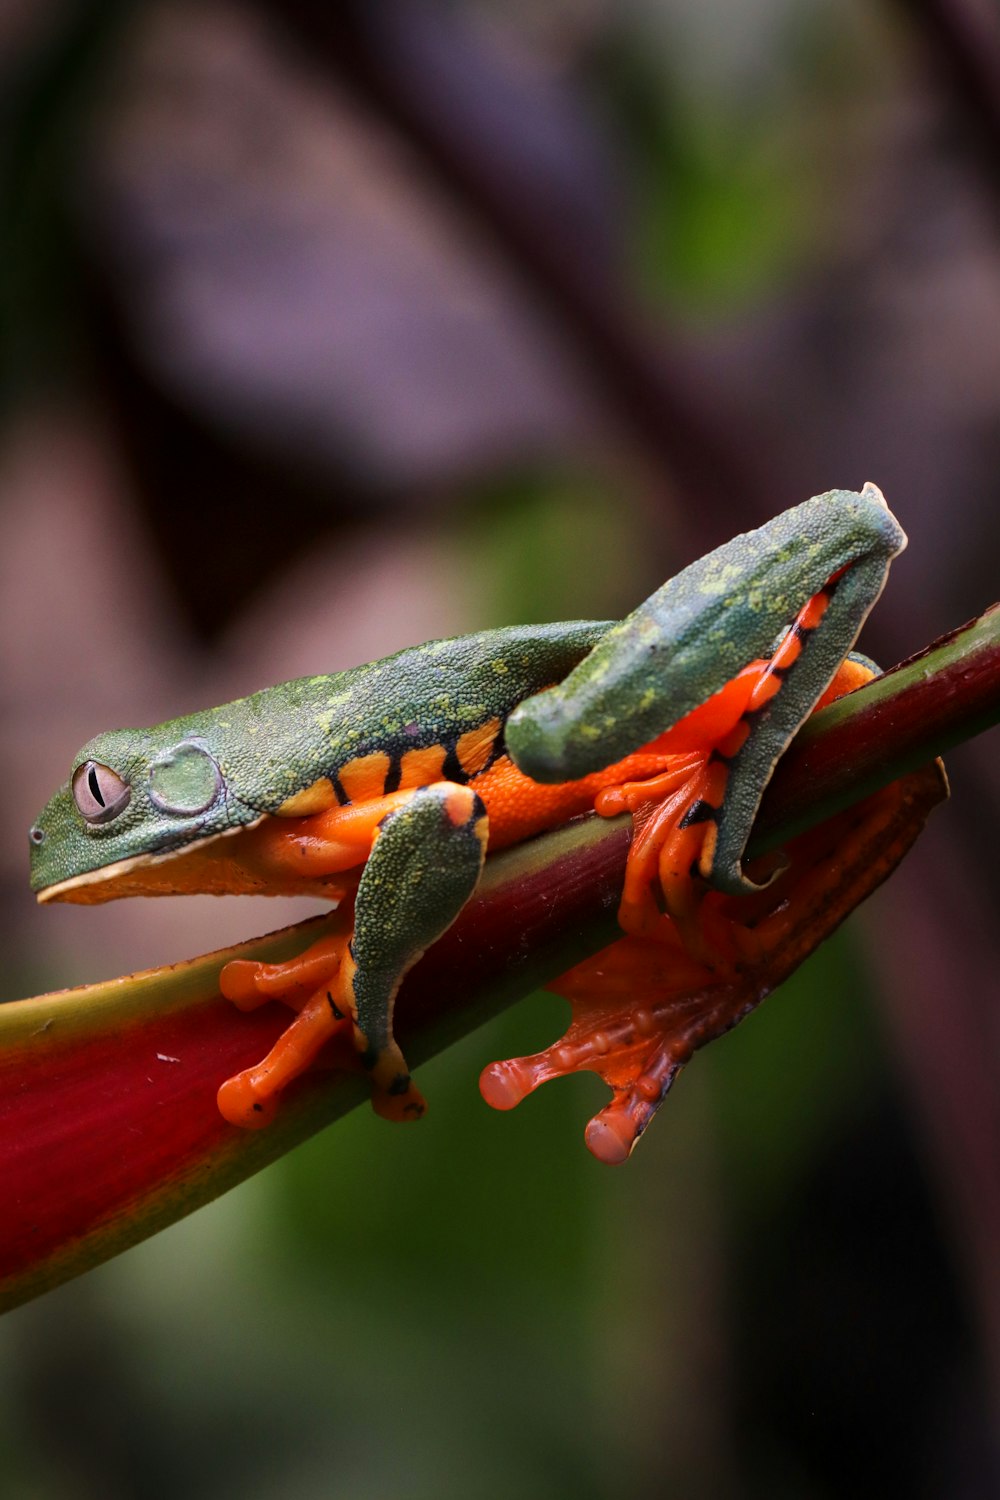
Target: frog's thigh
{"type": "Point", "coordinates": [424, 865]}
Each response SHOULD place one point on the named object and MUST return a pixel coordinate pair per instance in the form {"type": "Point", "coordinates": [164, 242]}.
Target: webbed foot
{"type": "Point", "coordinates": [643, 1006]}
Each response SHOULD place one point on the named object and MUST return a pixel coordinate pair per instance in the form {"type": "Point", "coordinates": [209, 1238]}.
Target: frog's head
{"type": "Point", "coordinates": [134, 799]}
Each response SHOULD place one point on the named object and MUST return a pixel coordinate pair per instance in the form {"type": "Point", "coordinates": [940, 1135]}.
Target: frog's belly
{"type": "Point", "coordinates": [519, 807]}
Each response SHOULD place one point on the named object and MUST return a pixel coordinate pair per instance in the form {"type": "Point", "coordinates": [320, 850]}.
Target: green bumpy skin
{"type": "Point", "coordinates": [250, 756]}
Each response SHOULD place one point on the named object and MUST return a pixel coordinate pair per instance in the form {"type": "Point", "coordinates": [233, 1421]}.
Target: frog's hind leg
{"type": "Point", "coordinates": [426, 857]}
{"type": "Point", "coordinates": [693, 822]}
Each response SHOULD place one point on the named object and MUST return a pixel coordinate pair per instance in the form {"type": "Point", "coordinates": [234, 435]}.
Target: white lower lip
{"type": "Point", "coordinates": [135, 862]}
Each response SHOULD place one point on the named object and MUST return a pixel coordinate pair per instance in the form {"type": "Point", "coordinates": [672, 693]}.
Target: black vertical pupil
{"type": "Point", "coordinates": [95, 786]}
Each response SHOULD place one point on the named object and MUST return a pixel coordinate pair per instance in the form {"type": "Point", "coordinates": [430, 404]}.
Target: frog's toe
{"type": "Point", "coordinates": [629, 1052]}
{"type": "Point", "coordinates": [241, 1102]}
{"type": "Point", "coordinates": [394, 1094]}
{"type": "Point", "coordinates": [610, 1137]}
{"type": "Point", "coordinates": [249, 984]}
{"type": "Point", "coordinates": [400, 1102]}
{"type": "Point", "coordinates": [614, 1131]}
{"type": "Point", "coordinates": [504, 1084]}
{"type": "Point", "coordinates": [239, 982]}
{"type": "Point", "coordinates": [250, 1098]}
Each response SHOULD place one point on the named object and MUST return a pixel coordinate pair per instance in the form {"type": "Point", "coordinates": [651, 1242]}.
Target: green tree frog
{"type": "Point", "coordinates": [387, 785]}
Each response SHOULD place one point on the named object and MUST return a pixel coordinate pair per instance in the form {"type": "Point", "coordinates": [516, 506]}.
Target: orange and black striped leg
{"type": "Point", "coordinates": [681, 815]}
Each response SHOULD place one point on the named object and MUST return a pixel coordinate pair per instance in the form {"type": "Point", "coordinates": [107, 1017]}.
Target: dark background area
{"type": "Point", "coordinates": [326, 329]}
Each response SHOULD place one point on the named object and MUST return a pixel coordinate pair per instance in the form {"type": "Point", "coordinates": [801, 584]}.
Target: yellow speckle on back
{"type": "Point", "coordinates": [720, 578]}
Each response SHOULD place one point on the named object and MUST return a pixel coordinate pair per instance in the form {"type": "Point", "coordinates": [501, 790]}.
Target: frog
{"type": "Point", "coordinates": [388, 785]}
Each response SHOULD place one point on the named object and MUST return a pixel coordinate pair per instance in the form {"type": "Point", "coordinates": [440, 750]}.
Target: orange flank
{"type": "Point", "coordinates": [519, 807]}
{"type": "Point", "coordinates": [475, 747]}
{"type": "Point", "coordinates": [850, 675]}
{"type": "Point", "coordinates": [421, 767]}
{"type": "Point", "coordinates": [364, 778]}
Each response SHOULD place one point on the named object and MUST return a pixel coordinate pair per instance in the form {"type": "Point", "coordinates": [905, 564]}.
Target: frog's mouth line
{"type": "Point", "coordinates": [217, 865]}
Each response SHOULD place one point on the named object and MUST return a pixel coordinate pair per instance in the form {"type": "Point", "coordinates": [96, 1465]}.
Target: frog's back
{"type": "Point", "coordinates": [429, 712]}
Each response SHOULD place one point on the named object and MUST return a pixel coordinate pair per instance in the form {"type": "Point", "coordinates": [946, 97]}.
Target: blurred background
{"type": "Point", "coordinates": [327, 329]}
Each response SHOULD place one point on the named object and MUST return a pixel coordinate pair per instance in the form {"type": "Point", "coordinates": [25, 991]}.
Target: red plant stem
{"type": "Point", "coordinates": [920, 709]}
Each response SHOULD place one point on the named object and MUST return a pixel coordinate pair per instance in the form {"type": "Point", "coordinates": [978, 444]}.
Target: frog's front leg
{"type": "Point", "coordinates": [426, 856]}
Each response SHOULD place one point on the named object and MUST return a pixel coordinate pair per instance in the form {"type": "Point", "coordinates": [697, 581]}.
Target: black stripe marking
{"type": "Point", "coordinates": [394, 775]}
{"type": "Point", "coordinates": [453, 770]}
{"type": "Point", "coordinates": [499, 748]}
{"type": "Point", "coordinates": [699, 812]}
{"type": "Point", "coordinates": [338, 788]}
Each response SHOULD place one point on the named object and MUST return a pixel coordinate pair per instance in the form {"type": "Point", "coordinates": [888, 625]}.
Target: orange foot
{"type": "Point", "coordinates": [310, 985]}
{"type": "Point", "coordinates": [643, 1006]}
{"type": "Point", "coordinates": [627, 1004]}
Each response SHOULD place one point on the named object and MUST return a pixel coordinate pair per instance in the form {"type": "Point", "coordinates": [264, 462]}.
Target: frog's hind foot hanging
{"type": "Point", "coordinates": [425, 861]}
{"type": "Point", "coordinates": [643, 1006]}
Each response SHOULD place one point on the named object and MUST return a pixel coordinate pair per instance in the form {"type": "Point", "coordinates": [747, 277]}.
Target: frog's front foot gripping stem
{"type": "Point", "coordinates": [424, 864]}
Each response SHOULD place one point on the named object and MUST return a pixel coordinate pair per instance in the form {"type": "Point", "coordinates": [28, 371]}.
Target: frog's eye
{"type": "Point", "coordinates": [99, 792]}
{"type": "Point", "coordinates": [184, 780]}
